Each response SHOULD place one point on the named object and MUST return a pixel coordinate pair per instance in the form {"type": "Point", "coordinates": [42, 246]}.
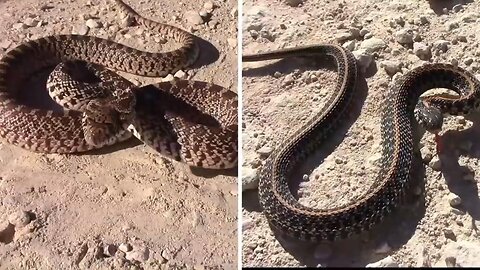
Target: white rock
{"type": "Point", "coordinates": [249, 178]}
{"type": "Point", "coordinates": [247, 224]}
{"type": "Point", "coordinates": [5, 44]}
{"type": "Point", "coordinates": [253, 19]}
{"type": "Point", "coordinates": [193, 18]}
{"type": "Point", "coordinates": [349, 45]}
{"type": "Point", "coordinates": [180, 74]}
{"type": "Point", "coordinates": [435, 163]}
{"type": "Point", "coordinates": [364, 59]}
{"type": "Point", "coordinates": [138, 253]}
{"type": "Point", "coordinates": [422, 51]}
{"type": "Point", "coordinates": [372, 45]}
{"type": "Point", "coordinates": [92, 23]}
{"type": "Point", "coordinates": [265, 151]}
{"type": "Point", "coordinates": [343, 36]}
{"type": "Point", "coordinates": [19, 218]}
{"type": "Point", "coordinates": [404, 36]}
{"type": "Point", "coordinates": [83, 30]}
{"type": "Point", "coordinates": [454, 200]}
{"type": "Point", "coordinates": [125, 247]}
{"type": "Point", "coordinates": [385, 262]}
{"type": "Point", "coordinates": [208, 6]}
{"type": "Point", "coordinates": [30, 22]}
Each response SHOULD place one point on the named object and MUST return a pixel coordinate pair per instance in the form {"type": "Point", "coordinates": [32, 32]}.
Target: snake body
{"type": "Point", "coordinates": [69, 131]}
{"type": "Point", "coordinates": [281, 208]}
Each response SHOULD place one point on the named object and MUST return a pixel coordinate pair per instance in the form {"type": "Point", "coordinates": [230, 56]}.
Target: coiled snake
{"type": "Point", "coordinates": [98, 113]}
{"type": "Point", "coordinates": [280, 207]}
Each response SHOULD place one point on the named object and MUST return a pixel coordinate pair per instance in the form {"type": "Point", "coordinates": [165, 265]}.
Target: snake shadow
{"type": "Point", "coordinates": [438, 5]}
{"type": "Point", "coordinates": [208, 53]}
{"type": "Point", "coordinates": [456, 144]}
{"type": "Point", "coordinates": [396, 229]}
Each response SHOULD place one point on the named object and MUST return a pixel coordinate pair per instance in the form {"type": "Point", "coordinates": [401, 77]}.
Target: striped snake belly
{"type": "Point", "coordinates": [283, 210]}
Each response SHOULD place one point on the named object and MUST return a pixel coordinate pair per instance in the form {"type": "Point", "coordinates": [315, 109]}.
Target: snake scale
{"type": "Point", "coordinates": [102, 119]}
{"type": "Point", "coordinates": [290, 217]}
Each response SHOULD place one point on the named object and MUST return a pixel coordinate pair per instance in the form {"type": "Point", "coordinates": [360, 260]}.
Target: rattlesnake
{"type": "Point", "coordinates": [210, 146]}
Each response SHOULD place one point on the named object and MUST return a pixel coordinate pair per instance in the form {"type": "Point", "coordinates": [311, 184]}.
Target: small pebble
{"type": "Point", "coordinates": [138, 253]}
{"type": "Point", "coordinates": [435, 163]}
{"type": "Point", "coordinates": [193, 18]}
{"type": "Point", "coordinates": [422, 51]}
{"type": "Point", "coordinates": [293, 3]}
{"type": "Point", "coordinates": [180, 74]}
{"type": "Point", "coordinates": [125, 247]}
{"type": "Point", "coordinates": [449, 234]}
{"type": "Point", "coordinates": [19, 218]}
{"type": "Point", "coordinates": [92, 23]}
{"type": "Point", "coordinates": [450, 261]}
{"type": "Point", "coordinates": [454, 200]}
{"type": "Point", "coordinates": [404, 36]}
{"type": "Point", "coordinates": [247, 224]}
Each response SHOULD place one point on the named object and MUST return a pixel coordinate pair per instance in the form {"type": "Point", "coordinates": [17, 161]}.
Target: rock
{"type": "Point", "coordinates": [293, 3]}
{"type": "Point", "coordinates": [372, 45]}
{"type": "Point", "coordinates": [19, 218]}
{"type": "Point", "coordinates": [5, 44]}
{"type": "Point", "coordinates": [19, 26]}
{"type": "Point", "coordinates": [249, 178]}
{"type": "Point", "coordinates": [441, 45]}
{"type": "Point", "coordinates": [468, 61]}
{"type": "Point", "coordinates": [363, 32]}
{"type": "Point", "coordinates": [253, 18]}
{"type": "Point", "coordinates": [343, 36]}
{"type": "Point", "coordinates": [463, 253]}
{"type": "Point", "coordinates": [82, 30]}
{"type": "Point", "coordinates": [423, 20]}
{"type": "Point", "coordinates": [93, 23]}
{"type": "Point", "coordinates": [264, 151]}
{"type": "Point", "coordinates": [454, 200]}
{"type": "Point", "coordinates": [426, 154]}
{"type": "Point", "coordinates": [127, 21]}
{"type": "Point", "coordinates": [450, 261]}
{"type": "Point", "coordinates": [404, 36]}
{"type": "Point", "coordinates": [180, 74]}
{"type": "Point", "coordinates": [247, 224]}
{"type": "Point", "coordinates": [208, 6]}
{"type": "Point", "coordinates": [30, 22]}
{"type": "Point", "coordinates": [109, 250]}
{"type": "Point", "coordinates": [452, 25]}
{"type": "Point", "coordinates": [435, 164]}
{"type": "Point", "coordinates": [138, 253]}
{"type": "Point", "coordinates": [391, 67]}
{"type": "Point", "coordinates": [449, 234]}
{"type": "Point", "coordinates": [385, 262]}
{"type": "Point", "coordinates": [364, 59]}
{"type": "Point", "coordinates": [349, 45]}
{"type": "Point", "coordinates": [193, 18]}
{"type": "Point", "coordinates": [232, 42]}
{"type": "Point", "coordinates": [125, 247]}
{"type": "Point", "coordinates": [422, 51]}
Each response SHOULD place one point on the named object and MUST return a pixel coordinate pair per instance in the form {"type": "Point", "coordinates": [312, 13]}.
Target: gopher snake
{"type": "Point", "coordinates": [65, 132]}
{"type": "Point", "coordinates": [280, 207]}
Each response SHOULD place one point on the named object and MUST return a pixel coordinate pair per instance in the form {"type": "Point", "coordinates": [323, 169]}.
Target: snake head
{"type": "Point", "coordinates": [431, 118]}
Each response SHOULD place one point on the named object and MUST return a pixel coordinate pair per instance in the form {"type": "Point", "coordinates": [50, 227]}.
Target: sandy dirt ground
{"type": "Point", "coordinates": [76, 211]}
{"type": "Point", "coordinates": [437, 225]}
